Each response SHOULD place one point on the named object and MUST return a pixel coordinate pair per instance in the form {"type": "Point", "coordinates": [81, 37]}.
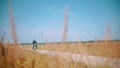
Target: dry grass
{"type": "Point", "coordinates": [64, 37]}
{"type": "Point", "coordinates": [101, 49]}
{"type": "Point", "coordinates": [112, 49]}
{"type": "Point", "coordinates": [17, 57]}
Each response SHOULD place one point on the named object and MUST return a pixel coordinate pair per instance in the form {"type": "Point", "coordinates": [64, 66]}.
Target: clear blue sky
{"type": "Point", "coordinates": [87, 19]}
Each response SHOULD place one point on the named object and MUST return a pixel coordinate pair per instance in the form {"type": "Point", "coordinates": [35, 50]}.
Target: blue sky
{"type": "Point", "coordinates": [87, 19]}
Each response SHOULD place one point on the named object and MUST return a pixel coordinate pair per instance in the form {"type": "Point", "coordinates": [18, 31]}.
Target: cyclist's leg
{"type": "Point", "coordinates": [36, 46]}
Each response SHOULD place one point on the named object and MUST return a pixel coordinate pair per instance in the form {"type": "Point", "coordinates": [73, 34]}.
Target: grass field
{"type": "Point", "coordinates": [17, 57]}
{"type": "Point", "coordinates": [110, 49]}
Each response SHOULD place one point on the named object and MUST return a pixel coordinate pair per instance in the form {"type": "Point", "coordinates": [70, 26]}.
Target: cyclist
{"type": "Point", "coordinates": [34, 44]}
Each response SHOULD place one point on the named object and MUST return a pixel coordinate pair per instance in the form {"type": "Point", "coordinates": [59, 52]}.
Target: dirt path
{"type": "Point", "coordinates": [87, 59]}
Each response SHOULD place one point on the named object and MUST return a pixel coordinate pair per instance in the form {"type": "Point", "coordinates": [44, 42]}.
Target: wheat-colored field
{"type": "Point", "coordinates": [110, 49]}
{"type": "Point", "coordinates": [16, 57]}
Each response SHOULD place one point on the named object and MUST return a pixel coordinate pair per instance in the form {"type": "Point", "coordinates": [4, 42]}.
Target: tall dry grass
{"type": "Point", "coordinates": [65, 25]}
{"type": "Point", "coordinates": [21, 58]}
{"type": "Point", "coordinates": [12, 24]}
